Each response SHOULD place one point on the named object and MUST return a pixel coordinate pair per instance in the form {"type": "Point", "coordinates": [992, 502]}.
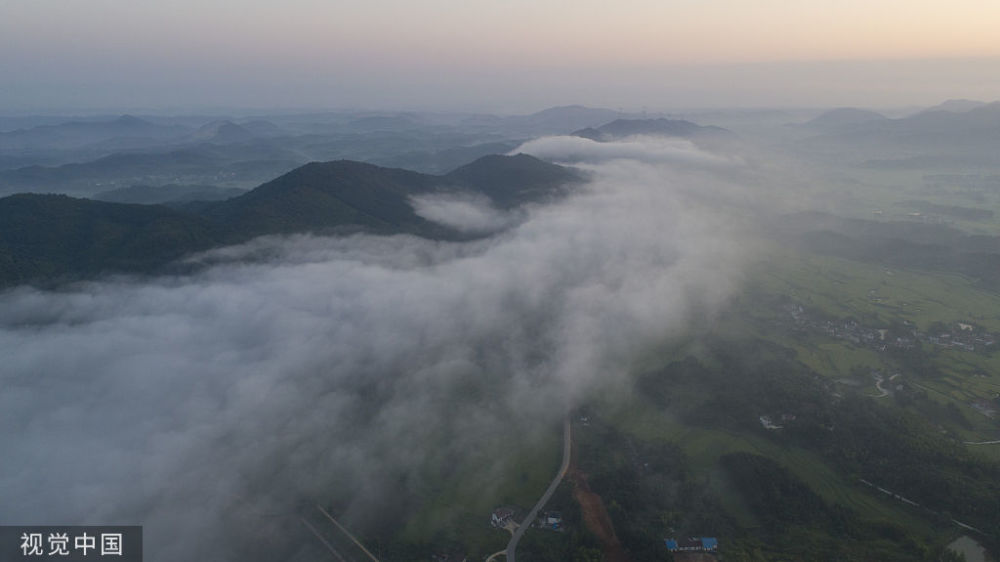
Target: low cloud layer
{"type": "Point", "coordinates": [649, 149]}
{"type": "Point", "coordinates": [345, 369]}
{"type": "Point", "coordinates": [469, 214]}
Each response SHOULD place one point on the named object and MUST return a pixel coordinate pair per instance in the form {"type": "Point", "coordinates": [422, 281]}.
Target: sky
{"type": "Point", "coordinates": [510, 56]}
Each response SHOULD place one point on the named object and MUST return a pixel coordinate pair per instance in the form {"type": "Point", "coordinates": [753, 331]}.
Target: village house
{"type": "Point", "coordinates": [501, 516]}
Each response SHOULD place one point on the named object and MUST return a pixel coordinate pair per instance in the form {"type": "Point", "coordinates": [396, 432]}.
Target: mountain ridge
{"type": "Point", "coordinates": [54, 238]}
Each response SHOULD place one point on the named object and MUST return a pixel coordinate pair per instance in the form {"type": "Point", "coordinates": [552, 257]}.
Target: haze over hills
{"type": "Point", "coordinates": [561, 119]}
{"type": "Point", "coordinates": [913, 245]}
{"type": "Point", "coordinates": [439, 161]}
{"type": "Point", "coordinates": [956, 138]}
{"type": "Point", "coordinates": [262, 127]}
{"type": "Point", "coordinates": [843, 118]}
{"type": "Point", "coordinates": [126, 129]}
{"type": "Point", "coordinates": [88, 157]}
{"type": "Point", "coordinates": [956, 106]}
{"type": "Point", "coordinates": [170, 193]}
{"type": "Point", "coordinates": [208, 163]}
{"type": "Point", "coordinates": [946, 119]}
{"type": "Point", "coordinates": [222, 132]}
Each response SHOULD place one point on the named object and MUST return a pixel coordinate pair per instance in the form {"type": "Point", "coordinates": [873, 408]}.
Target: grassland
{"type": "Point", "coordinates": [890, 190]}
{"type": "Point", "coordinates": [845, 288]}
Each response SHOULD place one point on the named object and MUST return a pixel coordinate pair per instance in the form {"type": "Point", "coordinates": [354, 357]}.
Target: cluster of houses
{"type": "Point", "coordinates": [961, 336]}
{"type": "Point", "coordinates": [501, 516]}
{"type": "Point", "coordinates": [768, 423]}
{"type": "Point", "coordinates": [694, 544]}
{"type": "Point", "coordinates": [504, 516]}
{"type": "Point", "coordinates": [986, 407]}
{"type": "Point", "coordinates": [850, 330]}
{"type": "Point", "coordinates": [966, 338]}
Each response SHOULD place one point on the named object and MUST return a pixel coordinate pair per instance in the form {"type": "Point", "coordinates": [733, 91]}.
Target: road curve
{"type": "Point", "coordinates": [526, 522]}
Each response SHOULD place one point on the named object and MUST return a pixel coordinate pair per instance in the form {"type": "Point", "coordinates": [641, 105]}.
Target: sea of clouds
{"type": "Point", "coordinates": [294, 369]}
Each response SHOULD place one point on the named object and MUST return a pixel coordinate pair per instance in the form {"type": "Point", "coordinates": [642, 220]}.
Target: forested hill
{"type": "Point", "coordinates": [48, 239]}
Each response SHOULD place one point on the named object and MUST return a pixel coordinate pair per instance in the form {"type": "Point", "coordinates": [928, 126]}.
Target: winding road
{"type": "Point", "coordinates": [526, 522]}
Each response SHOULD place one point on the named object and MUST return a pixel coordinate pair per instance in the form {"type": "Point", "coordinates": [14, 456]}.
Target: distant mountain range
{"type": "Point", "coordinates": [75, 134]}
{"type": "Point", "coordinates": [568, 118]}
{"type": "Point", "coordinates": [88, 155]}
{"type": "Point", "coordinates": [552, 121]}
{"type": "Point", "coordinates": [222, 132]}
{"type": "Point", "coordinates": [49, 239]}
{"type": "Point", "coordinates": [956, 135]}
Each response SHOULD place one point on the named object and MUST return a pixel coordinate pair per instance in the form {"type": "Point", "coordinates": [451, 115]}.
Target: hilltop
{"type": "Point", "coordinates": [843, 117]}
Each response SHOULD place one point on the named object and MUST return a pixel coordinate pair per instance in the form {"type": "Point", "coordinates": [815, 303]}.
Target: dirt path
{"type": "Point", "coordinates": [595, 516]}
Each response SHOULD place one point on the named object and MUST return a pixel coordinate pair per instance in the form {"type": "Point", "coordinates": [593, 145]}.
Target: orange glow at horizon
{"type": "Point", "coordinates": [363, 50]}
{"type": "Point", "coordinates": [545, 32]}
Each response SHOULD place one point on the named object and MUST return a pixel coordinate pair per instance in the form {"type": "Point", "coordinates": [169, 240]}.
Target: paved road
{"type": "Point", "coordinates": [323, 540]}
{"type": "Point", "coordinates": [526, 522]}
{"type": "Point", "coordinates": [348, 533]}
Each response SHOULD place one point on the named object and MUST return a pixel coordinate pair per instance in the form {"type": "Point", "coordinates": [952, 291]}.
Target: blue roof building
{"type": "Point", "coordinates": [703, 544]}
